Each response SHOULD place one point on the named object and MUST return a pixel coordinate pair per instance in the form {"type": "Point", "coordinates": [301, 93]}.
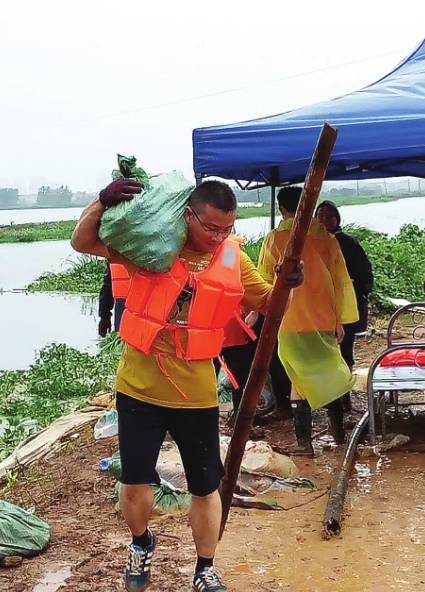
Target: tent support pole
{"type": "Point", "coordinates": [274, 182]}
{"type": "Point", "coordinates": [198, 180]}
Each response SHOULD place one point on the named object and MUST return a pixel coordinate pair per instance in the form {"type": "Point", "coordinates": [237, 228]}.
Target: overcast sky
{"type": "Point", "coordinates": [82, 81]}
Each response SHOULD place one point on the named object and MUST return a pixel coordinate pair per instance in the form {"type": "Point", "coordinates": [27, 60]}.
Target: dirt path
{"type": "Point", "coordinates": [382, 545]}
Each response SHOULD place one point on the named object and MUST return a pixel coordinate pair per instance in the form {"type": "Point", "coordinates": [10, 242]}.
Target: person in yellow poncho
{"type": "Point", "coordinates": [312, 326]}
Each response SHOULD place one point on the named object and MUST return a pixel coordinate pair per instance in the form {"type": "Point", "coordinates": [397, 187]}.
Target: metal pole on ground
{"type": "Point", "coordinates": [333, 514]}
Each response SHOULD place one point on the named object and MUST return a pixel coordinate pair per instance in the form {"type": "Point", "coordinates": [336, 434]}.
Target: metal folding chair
{"type": "Point", "coordinates": [406, 330]}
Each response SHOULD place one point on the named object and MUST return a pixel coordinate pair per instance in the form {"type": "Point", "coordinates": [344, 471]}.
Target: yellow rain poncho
{"type": "Point", "coordinates": [307, 344]}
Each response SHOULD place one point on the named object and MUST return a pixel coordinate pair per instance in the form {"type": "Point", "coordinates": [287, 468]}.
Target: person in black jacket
{"type": "Point", "coordinates": [107, 303]}
{"type": "Point", "coordinates": [360, 271]}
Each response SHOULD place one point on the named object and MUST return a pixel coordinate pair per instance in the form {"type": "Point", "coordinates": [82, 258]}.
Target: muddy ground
{"type": "Point", "coordinates": [381, 548]}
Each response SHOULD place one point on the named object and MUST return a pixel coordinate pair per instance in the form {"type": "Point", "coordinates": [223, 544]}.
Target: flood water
{"type": "Point", "coordinates": [30, 321]}
{"type": "Point", "coordinates": [25, 215]}
{"type": "Point", "coordinates": [384, 217]}
{"type": "Point", "coordinates": [21, 263]}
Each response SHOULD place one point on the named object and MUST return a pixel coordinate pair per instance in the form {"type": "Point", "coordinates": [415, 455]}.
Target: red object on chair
{"type": "Point", "coordinates": [405, 357]}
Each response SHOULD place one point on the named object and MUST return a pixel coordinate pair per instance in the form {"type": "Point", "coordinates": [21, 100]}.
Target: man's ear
{"type": "Point", "coordinates": [188, 215]}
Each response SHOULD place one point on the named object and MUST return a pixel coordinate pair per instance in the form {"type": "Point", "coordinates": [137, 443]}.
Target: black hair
{"type": "Point", "coordinates": [216, 194]}
{"type": "Point", "coordinates": [330, 204]}
{"type": "Point", "coordinates": [289, 198]}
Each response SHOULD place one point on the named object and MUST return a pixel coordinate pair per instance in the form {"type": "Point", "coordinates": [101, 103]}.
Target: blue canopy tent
{"type": "Point", "coordinates": [381, 134]}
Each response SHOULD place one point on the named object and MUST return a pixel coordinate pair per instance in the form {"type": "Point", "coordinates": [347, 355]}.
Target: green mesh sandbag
{"type": "Point", "coordinates": [167, 499]}
{"type": "Point", "coordinates": [115, 465]}
{"type": "Point", "coordinates": [150, 230]}
{"type": "Point", "coordinates": [21, 533]}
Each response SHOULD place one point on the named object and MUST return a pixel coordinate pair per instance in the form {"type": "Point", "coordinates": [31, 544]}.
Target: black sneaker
{"type": "Point", "coordinates": [208, 580]}
{"type": "Point", "coordinates": [138, 572]}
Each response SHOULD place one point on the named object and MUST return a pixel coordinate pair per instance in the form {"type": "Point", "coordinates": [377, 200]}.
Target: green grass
{"type": "Point", "coordinates": [253, 212]}
{"type": "Point", "coordinates": [61, 380]}
{"type": "Point", "coordinates": [84, 277]}
{"type": "Point", "coordinates": [27, 233]}
{"type": "Point", "coordinates": [397, 263]}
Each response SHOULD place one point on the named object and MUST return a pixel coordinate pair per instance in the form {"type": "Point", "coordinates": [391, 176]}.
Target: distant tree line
{"type": "Point", "coordinates": [52, 197]}
{"type": "Point", "coordinates": [406, 187]}
{"type": "Point", "coordinates": [59, 196]}
{"type": "Point", "coordinates": [9, 197]}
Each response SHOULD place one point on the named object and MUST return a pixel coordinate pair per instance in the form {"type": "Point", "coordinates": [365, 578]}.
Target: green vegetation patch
{"type": "Point", "coordinates": [27, 233]}
{"type": "Point", "coordinates": [398, 263]}
{"type": "Point", "coordinates": [60, 381]}
{"type": "Point", "coordinates": [84, 277]}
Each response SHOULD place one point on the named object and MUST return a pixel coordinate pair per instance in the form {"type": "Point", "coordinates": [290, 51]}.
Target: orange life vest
{"type": "Point", "coordinates": [120, 280]}
{"type": "Point", "coordinates": [236, 333]}
{"type": "Point", "coordinates": [217, 293]}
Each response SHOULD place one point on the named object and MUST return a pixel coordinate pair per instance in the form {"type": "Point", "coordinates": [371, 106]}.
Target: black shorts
{"type": "Point", "coordinates": [142, 429]}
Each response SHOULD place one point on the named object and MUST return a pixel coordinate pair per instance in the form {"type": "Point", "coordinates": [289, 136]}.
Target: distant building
{"type": "Point", "coordinates": [250, 204]}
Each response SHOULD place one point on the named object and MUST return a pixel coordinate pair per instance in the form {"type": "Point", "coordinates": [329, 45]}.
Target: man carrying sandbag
{"type": "Point", "coordinates": [172, 328]}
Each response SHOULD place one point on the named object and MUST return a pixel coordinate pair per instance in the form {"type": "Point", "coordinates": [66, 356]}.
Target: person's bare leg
{"type": "Point", "coordinates": [136, 503]}
{"type": "Point", "coordinates": [205, 518]}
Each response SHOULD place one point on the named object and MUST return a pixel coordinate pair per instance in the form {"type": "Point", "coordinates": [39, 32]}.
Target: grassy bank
{"type": "Point", "coordinates": [397, 262]}
{"type": "Point", "coordinates": [28, 233]}
{"type": "Point", "coordinates": [61, 380]}
{"type": "Point", "coordinates": [25, 233]}
{"type": "Point", "coordinates": [84, 277]}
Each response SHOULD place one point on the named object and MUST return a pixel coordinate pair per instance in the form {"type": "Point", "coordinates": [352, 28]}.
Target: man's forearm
{"type": "Point", "coordinates": [85, 237]}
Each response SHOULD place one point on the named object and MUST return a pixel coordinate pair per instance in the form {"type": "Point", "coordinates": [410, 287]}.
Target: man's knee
{"type": "Point", "coordinates": [133, 494]}
{"type": "Point", "coordinates": [205, 498]}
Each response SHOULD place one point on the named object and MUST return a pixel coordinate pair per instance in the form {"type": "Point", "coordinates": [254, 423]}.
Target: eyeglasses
{"type": "Point", "coordinates": [212, 229]}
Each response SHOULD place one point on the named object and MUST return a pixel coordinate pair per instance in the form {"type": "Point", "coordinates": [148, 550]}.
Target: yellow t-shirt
{"type": "Point", "coordinates": [161, 378]}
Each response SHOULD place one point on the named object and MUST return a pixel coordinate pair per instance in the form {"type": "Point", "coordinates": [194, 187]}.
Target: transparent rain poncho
{"type": "Point", "coordinates": [307, 344]}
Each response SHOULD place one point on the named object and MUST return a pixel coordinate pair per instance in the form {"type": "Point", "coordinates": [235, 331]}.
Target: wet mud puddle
{"type": "Point", "coordinates": [382, 546]}
{"type": "Point", "coordinates": [54, 580]}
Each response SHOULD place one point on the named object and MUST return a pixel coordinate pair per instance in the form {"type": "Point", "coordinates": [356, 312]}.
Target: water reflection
{"type": "Point", "coordinates": [25, 215]}
{"type": "Point", "coordinates": [31, 321]}
{"type": "Point", "coordinates": [21, 263]}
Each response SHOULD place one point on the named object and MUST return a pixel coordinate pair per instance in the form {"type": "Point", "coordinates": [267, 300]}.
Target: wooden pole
{"type": "Point", "coordinates": [277, 306]}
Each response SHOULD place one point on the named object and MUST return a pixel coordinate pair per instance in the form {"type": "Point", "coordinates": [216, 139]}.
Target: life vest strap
{"type": "Point", "coordinates": [159, 360]}
{"type": "Point", "coordinates": [251, 334]}
{"type": "Point", "coordinates": [227, 370]}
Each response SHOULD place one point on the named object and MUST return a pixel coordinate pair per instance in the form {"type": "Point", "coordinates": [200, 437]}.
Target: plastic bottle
{"type": "Point", "coordinates": [105, 463]}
